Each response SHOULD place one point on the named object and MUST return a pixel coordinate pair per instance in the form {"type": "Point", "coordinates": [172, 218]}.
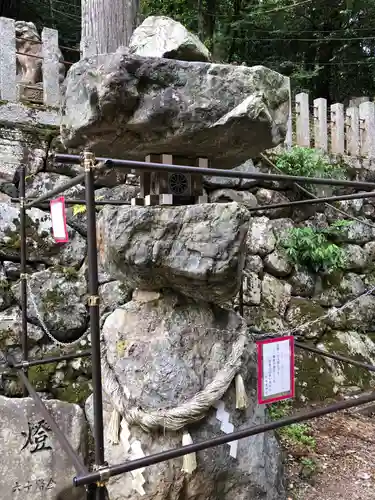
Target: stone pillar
{"type": "Point", "coordinates": [8, 68]}
{"type": "Point", "coordinates": [337, 129]}
{"type": "Point", "coordinates": [367, 119]}
{"type": "Point", "coordinates": [51, 65]}
{"type": "Point", "coordinates": [352, 131]}
{"type": "Point", "coordinates": [320, 124]}
{"type": "Point", "coordinates": [302, 120]}
{"type": "Point", "coordinates": [289, 132]}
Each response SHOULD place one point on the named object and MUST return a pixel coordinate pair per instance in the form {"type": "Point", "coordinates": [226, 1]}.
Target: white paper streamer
{"type": "Point", "coordinates": [227, 427]}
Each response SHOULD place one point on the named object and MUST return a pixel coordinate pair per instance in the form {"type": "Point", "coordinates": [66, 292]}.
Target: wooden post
{"type": "Point", "coordinates": [320, 124]}
{"type": "Point", "coordinates": [337, 129]}
{"type": "Point", "coordinates": [302, 120]}
{"type": "Point", "coordinates": [352, 131]}
{"type": "Point", "coordinates": [8, 63]}
{"type": "Point", "coordinates": [367, 118]}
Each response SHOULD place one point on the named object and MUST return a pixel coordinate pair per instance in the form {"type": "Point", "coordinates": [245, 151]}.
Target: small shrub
{"type": "Point", "coordinates": [308, 163]}
{"type": "Point", "coordinates": [314, 249]}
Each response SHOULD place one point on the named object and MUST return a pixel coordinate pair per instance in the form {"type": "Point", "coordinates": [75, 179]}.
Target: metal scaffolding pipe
{"type": "Point", "coordinates": [54, 359]}
{"type": "Point", "coordinates": [217, 172]}
{"type": "Point", "coordinates": [23, 275]}
{"type": "Point", "coordinates": [156, 458]}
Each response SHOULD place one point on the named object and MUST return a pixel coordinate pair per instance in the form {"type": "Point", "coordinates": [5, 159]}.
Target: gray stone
{"type": "Point", "coordinates": [260, 238]}
{"type": "Point", "coordinates": [253, 263]}
{"type": "Point", "coordinates": [165, 352]}
{"type": "Point", "coordinates": [232, 182]}
{"type": "Point", "coordinates": [369, 250]}
{"type": "Point", "coordinates": [41, 245]}
{"type": "Point", "coordinates": [11, 329]}
{"type": "Point", "coordinates": [33, 464]}
{"type": "Point", "coordinates": [346, 288]}
{"type": "Point", "coordinates": [303, 282]}
{"type": "Point", "coordinates": [277, 264]}
{"type": "Point", "coordinates": [227, 195]}
{"type": "Point", "coordinates": [225, 112]}
{"type": "Point", "coordinates": [59, 296]}
{"type": "Point", "coordinates": [161, 36]}
{"type": "Point", "coordinates": [356, 316]}
{"type": "Point", "coordinates": [5, 293]}
{"type": "Point", "coordinates": [264, 318]}
{"type": "Point", "coordinates": [276, 294]}
{"type": "Point", "coordinates": [356, 259]}
{"type": "Point", "coordinates": [197, 250]}
{"type": "Point", "coordinates": [270, 197]}
{"type": "Point", "coordinates": [301, 311]}
{"type": "Point", "coordinates": [252, 288]}
{"type": "Point", "coordinates": [281, 228]}
{"type": "Point", "coordinates": [19, 147]}
{"type": "Point", "coordinates": [356, 233]}
{"type": "Point", "coordinates": [112, 295]}
{"type": "Point", "coordinates": [43, 182]}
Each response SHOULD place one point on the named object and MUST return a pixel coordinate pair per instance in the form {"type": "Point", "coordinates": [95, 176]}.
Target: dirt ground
{"type": "Point", "coordinates": [335, 462]}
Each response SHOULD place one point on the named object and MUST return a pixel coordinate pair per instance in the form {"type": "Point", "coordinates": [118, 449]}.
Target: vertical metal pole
{"type": "Point", "coordinates": [23, 276]}
{"type": "Point", "coordinates": [93, 302]}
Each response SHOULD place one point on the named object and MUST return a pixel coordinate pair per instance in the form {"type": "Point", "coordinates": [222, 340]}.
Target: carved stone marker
{"type": "Point", "coordinates": [33, 464]}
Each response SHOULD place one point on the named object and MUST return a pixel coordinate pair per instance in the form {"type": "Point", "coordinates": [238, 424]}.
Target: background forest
{"type": "Point", "coordinates": [326, 47]}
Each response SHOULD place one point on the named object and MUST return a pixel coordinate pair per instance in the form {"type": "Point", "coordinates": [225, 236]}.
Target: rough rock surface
{"type": "Point", "coordinates": [161, 36]}
{"type": "Point", "coordinates": [32, 462]}
{"type": "Point", "coordinates": [197, 250]}
{"type": "Point", "coordinates": [41, 245]}
{"type": "Point", "coordinates": [119, 104]}
{"type": "Point", "coordinates": [165, 351]}
{"type": "Point", "coordinates": [60, 300]}
{"type": "Point", "coordinates": [233, 182]}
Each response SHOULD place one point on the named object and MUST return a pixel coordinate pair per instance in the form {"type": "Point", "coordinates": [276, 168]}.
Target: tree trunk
{"type": "Point", "coordinates": [107, 25]}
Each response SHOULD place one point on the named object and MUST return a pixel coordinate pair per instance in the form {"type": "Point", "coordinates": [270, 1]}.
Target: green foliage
{"type": "Point", "coordinates": [314, 249]}
{"type": "Point", "coordinates": [81, 209]}
{"type": "Point", "coordinates": [294, 433]}
{"type": "Point", "coordinates": [308, 163]}
{"type": "Point", "coordinates": [325, 47]}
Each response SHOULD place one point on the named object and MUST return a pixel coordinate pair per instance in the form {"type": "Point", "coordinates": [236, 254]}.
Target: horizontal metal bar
{"type": "Point", "coordinates": [67, 185]}
{"type": "Point", "coordinates": [65, 445]}
{"type": "Point", "coordinates": [217, 172]}
{"type": "Point", "coordinates": [320, 352]}
{"type": "Point", "coordinates": [60, 189]}
{"type": "Point", "coordinates": [315, 201]}
{"type": "Point", "coordinates": [77, 202]}
{"type": "Point", "coordinates": [156, 458]}
{"type": "Point", "coordinates": [337, 357]}
{"type": "Point", "coordinates": [55, 359]}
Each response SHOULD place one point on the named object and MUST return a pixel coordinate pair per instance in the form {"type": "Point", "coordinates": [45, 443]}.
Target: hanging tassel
{"type": "Point", "coordinates": [189, 462]}
{"type": "Point", "coordinates": [242, 400]}
{"type": "Point", "coordinates": [114, 427]}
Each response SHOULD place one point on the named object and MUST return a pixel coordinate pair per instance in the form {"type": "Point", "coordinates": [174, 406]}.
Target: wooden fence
{"type": "Point", "coordinates": [349, 131]}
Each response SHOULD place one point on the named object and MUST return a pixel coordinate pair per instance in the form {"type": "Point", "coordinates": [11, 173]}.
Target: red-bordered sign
{"type": "Point", "coordinates": [58, 218]}
{"type": "Point", "coordinates": [275, 369]}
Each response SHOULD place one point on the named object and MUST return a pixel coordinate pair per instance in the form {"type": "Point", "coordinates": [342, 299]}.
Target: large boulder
{"type": "Point", "coordinates": [33, 464]}
{"type": "Point", "coordinates": [125, 106]}
{"type": "Point", "coordinates": [197, 250]}
{"type": "Point", "coordinates": [163, 350]}
{"type": "Point", "coordinates": [161, 36]}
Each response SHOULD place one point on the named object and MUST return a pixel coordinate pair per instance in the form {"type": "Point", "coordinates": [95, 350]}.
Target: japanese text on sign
{"type": "Point", "coordinates": [275, 369]}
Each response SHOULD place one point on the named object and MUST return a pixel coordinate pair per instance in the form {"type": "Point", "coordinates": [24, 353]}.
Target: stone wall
{"type": "Point", "coordinates": [278, 296]}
